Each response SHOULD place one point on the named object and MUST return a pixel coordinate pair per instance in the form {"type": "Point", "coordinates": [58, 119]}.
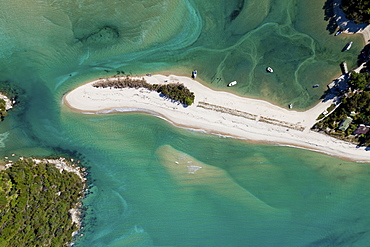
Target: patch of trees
{"type": "Point", "coordinates": [3, 111]}
{"type": "Point", "coordinates": [359, 80]}
{"type": "Point", "coordinates": [34, 204]}
{"type": "Point", "coordinates": [357, 10]}
{"type": "Point", "coordinates": [356, 104]}
{"type": "Point", "coordinates": [14, 94]}
{"type": "Point", "coordinates": [174, 91]}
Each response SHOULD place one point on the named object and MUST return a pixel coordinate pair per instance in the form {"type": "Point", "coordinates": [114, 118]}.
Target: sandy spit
{"type": "Point", "coordinates": [218, 112]}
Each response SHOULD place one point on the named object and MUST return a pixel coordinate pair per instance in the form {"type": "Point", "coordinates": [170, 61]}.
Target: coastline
{"type": "Point", "coordinates": [8, 102]}
{"type": "Point", "coordinates": [62, 164]}
{"type": "Point", "coordinates": [348, 26]}
{"type": "Point", "coordinates": [219, 113]}
{"type": "Point", "coordinates": [44, 185]}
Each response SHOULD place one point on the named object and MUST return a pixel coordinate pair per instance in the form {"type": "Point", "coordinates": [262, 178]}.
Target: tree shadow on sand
{"type": "Point", "coordinates": [330, 17]}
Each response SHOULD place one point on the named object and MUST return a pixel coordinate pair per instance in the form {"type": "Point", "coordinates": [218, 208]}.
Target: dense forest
{"type": "Point", "coordinates": [174, 91]}
{"type": "Point", "coordinates": [34, 204]}
{"type": "Point", "coordinates": [356, 105]}
{"type": "Point", "coordinates": [357, 10]}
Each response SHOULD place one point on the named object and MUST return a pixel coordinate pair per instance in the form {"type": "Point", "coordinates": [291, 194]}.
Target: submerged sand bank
{"type": "Point", "coordinates": [218, 112]}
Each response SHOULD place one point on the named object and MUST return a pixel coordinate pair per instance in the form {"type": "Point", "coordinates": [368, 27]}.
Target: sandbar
{"type": "Point", "coordinates": [218, 112]}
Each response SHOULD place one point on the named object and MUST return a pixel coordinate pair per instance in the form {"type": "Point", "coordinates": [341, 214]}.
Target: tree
{"type": "Point", "coordinates": [357, 10]}
{"type": "Point", "coordinates": [359, 80]}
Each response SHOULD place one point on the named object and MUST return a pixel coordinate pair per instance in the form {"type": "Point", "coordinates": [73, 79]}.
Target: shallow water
{"type": "Point", "coordinates": [244, 194]}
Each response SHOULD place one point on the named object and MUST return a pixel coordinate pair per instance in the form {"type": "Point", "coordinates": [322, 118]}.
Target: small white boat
{"type": "Point", "coordinates": [269, 69]}
{"type": "Point", "coordinates": [348, 46]}
{"type": "Point", "coordinates": [231, 84]}
{"type": "Point", "coordinates": [194, 74]}
{"type": "Point", "coordinates": [290, 106]}
{"type": "Point", "coordinates": [317, 85]}
{"type": "Point", "coordinates": [337, 33]}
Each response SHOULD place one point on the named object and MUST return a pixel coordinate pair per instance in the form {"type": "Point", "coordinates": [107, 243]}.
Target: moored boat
{"type": "Point", "coordinates": [269, 69]}
{"type": "Point", "coordinates": [231, 84]}
{"type": "Point", "coordinates": [194, 74]}
{"type": "Point", "coordinates": [347, 46]}
{"type": "Point", "coordinates": [317, 85]}
{"type": "Point", "coordinates": [290, 106]}
{"type": "Point", "coordinates": [337, 33]}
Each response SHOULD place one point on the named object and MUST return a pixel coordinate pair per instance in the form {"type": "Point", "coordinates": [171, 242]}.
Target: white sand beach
{"type": "Point", "coordinates": [218, 112]}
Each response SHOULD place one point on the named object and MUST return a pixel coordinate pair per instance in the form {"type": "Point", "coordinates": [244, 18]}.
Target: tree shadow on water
{"type": "Point", "coordinates": [329, 16]}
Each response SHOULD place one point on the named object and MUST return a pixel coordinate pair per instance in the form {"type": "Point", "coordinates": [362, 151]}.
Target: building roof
{"type": "Point", "coordinates": [362, 129]}
{"type": "Point", "coordinates": [345, 124]}
{"type": "Point", "coordinates": [332, 84]}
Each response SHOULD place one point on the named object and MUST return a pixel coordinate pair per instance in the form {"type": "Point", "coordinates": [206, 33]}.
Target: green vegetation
{"type": "Point", "coordinates": [13, 93]}
{"type": "Point", "coordinates": [3, 111]}
{"type": "Point", "coordinates": [34, 204]}
{"type": "Point", "coordinates": [357, 10]}
{"type": "Point", "coordinates": [356, 104]}
{"type": "Point", "coordinates": [329, 109]}
{"type": "Point", "coordinates": [359, 80]}
{"type": "Point", "coordinates": [174, 91]}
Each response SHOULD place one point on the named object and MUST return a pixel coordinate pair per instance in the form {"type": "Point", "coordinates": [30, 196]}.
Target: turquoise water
{"type": "Point", "coordinates": [244, 194]}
